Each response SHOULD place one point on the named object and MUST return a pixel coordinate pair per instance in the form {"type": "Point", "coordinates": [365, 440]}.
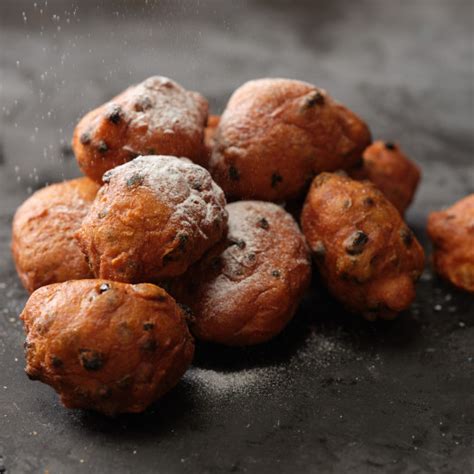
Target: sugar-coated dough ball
{"type": "Point", "coordinates": [152, 219]}
{"type": "Point", "coordinates": [155, 117]}
{"type": "Point", "coordinates": [246, 289]}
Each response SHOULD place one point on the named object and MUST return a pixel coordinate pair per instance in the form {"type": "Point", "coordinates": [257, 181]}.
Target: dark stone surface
{"type": "Point", "coordinates": [332, 393]}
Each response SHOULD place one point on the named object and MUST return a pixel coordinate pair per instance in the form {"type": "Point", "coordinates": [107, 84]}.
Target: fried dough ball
{"type": "Point", "coordinates": [385, 165]}
{"type": "Point", "coordinates": [154, 216]}
{"type": "Point", "coordinates": [452, 234]}
{"type": "Point", "coordinates": [246, 289]}
{"type": "Point", "coordinates": [106, 346]}
{"type": "Point", "coordinates": [43, 244]}
{"type": "Point", "coordinates": [367, 256]}
{"type": "Point", "coordinates": [276, 134]}
{"type": "Point", "coordinates": [155, 117]}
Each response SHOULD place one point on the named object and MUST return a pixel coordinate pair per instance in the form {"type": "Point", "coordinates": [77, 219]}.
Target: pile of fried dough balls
{"type": "Point", "coordinates": [127, 264]}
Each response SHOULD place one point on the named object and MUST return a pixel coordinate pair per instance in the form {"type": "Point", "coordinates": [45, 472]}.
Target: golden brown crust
{"type": "Point", "coordinates": [276, 134]}
{"type": "Point", "coordinates": [209, 134]}
{"type": "Point", "coordinates": [452, 234]}
{"type": "Point", "coordinates": [43, 244]}
{"type": "Point", "coordinates": [106, 346]}
{"type": "Point", "coordinates": [154, 216]}
{"type": "Point", "coordinates": [385, 165]}
{"type": "Point", "coordinates": [366, 254]}
{"type": "Point", "coordinates": [155, 117]}
{"type": "Point", "coordinates": [246, 289]}
{"type": "Point", "coordinates": [210, 131]}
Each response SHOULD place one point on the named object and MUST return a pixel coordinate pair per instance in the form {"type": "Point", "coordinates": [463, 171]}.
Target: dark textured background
{"type": "Point", "coordinates": [332, 393]}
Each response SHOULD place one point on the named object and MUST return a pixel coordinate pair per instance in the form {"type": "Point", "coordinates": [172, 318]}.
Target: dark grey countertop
{"type": "Point", "coordinates": [332, 393]}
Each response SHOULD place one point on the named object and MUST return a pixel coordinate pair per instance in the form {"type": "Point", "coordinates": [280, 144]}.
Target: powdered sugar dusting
{"type": "Point", "coordinates": [183, 185]}
{"type": "Point", "coordinates": [225, 384]}
{"type": "Point", "coordinates": [322, 350]}
{"type": "Point", "coordinates": [163, 105]}
{"type": "Point", "coordinates": [185, 191]}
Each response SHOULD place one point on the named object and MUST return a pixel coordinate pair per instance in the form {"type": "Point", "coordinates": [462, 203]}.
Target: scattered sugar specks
{"type": "Point", "coordinates": [229, 383]}
{"type": "Point", "coordinates": [323, 350]}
